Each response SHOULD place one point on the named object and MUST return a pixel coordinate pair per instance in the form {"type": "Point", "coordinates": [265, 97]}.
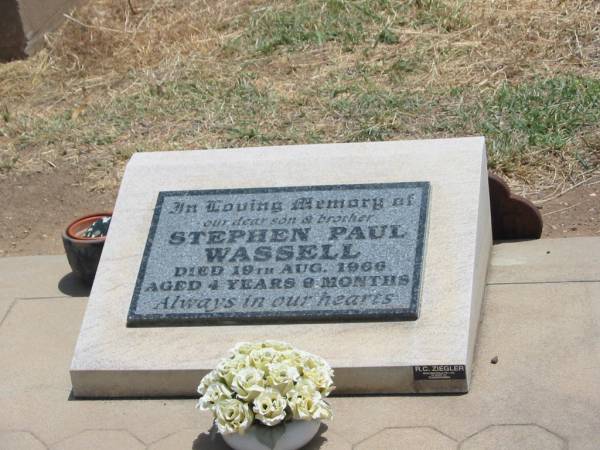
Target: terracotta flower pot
{"type": "Point", "coordinates": [83, 252]}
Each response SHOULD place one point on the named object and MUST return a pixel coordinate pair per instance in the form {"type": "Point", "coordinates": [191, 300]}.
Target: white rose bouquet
{"type": "Point", "coordinates": [266, 382]}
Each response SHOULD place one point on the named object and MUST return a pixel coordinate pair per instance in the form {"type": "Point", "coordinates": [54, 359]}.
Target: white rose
{"type": "Point", "coordinates": [244, 348]}
{"type": "Point", "coordinates": [322, 379]}
{"type": "Point", "coordinates": [276, 345]}
{"type": "Point", "coordinates": [322, 411]}
{"type": "Point", "coordinates": [210, 378]}
{"type": "Point", "coordinates": [303, 388]}
{"type": "Point", "coordinates": [227, 368]}
{"type": "Point", "coordinates": [232, 416]}
{"type": "Point", "coordinates": [261, 357]}
{"type": "Point", "coordinates": [305, 385]}
{"type": "Point", "coordinates": [282, 376]}
{"type": "Point", "coordinates": [269, 407]}
{"type": "Point", "coordinates": [214, 393]}
{"type": "Point", "coordinates": [303, 405]}
{"type": "Point", "coordinates": [308, 405]}
{"type": "Point", "coordinates": [248, 383]}
{"type": "Point", "coordinates": [292, 357]}
{"type": "Point", "coordinates": [310, 362]}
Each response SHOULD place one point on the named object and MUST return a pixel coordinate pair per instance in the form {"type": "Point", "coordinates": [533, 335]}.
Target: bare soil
{"type": "Point", "coordinates": [38, 206]}
{"type": "Point", "coordinates": [575, 213]}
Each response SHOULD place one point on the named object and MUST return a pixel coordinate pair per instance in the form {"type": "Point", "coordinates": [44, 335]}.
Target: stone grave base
{"type": "Point", "coordinates": [430, 354]}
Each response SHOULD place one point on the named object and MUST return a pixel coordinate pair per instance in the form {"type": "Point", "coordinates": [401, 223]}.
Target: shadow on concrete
{"type": "Point", "coordinates": [210, 440]}
{"type": "Point", "coordinates": [213, 440]}
{"type": "Point", "coordinates": [319, 440]}
{"type": "Point", "coordinates": [72, 286]}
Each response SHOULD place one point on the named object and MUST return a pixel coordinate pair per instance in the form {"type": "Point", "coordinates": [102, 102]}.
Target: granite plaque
{"type": "Point", "coordinates": [291, 254]}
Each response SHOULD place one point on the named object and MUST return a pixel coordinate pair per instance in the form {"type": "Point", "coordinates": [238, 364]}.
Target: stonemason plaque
{"type": "Point", "coordinates": [293, 254]}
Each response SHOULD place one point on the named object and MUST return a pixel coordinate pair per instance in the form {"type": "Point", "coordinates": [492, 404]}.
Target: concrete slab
{"type": "Point", "coordinates": [400, 438]}
{"type": "Point", "coordinates": [544, 376]}
{"type": "Point", "coordinates": [101, 440]}
{"type": "Point", "coordinates": [34, 326]}
{"type": "Point", "coordinates": [543, 392]}
{"type": "Point", "coordinates": [509, 437]}
{"type": "Point", "coordinates": [20, 440]}
{"type": "Point", "coordinates": [545, 260]}
{"type": "Point", "coordinates": [39, 277]}
{"type": "Point", "coordinates": [6, 304]}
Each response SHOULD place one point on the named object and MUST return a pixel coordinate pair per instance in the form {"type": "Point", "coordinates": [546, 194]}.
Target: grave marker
{"type": "Point", "coordinates": [302, 254]}
{"type": "Point", "coordinates": [372, 255]}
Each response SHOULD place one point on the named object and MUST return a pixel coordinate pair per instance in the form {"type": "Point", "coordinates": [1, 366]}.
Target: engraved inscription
{"type": "Point", "coordinates": [310, 253]}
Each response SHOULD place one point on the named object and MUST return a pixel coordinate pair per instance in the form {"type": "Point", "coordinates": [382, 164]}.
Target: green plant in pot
{"type": "Point", "coordinates": [84, 240]}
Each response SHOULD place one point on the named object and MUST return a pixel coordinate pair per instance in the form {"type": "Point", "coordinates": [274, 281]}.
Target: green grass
{"type": "Point", "coordinates": [544, 116]}
{"type": "Point", "coordinates": [176, 112]}
{"type": "Point", "coordinates": [445, 16]}
{"type": "Point", "coordinates": [222, 74]}
{"type": "Point", "coordinates": [303, 23]}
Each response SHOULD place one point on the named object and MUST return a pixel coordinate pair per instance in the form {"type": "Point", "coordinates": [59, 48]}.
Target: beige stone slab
{"type": "Point", "coordinates": [113, 360]}
{"type": "Point", "coordinates": [542, 394]}
{"type": "Point", "coordinates": [26, 329]}
{"type": "Point", "coordinates": [545, 376]}
{"type": "Point", "coordinates": [418, 438]}
{"type": "Point", "coordinates": [183, 438]}
{"type": "Point", "coordinates": [20, 440]}
{"type": "Point", "coordinates": [546, 260]}
{"type": "Point", "coordinates": [509, 437]}
{"type": "Point", "coordinates": [6, 304]}
{"type": "Point", "coordinates": [36, 343]}
{"type": "Point", "coordinates": [100, 440]}
{"type": "Point", "coordinates": [39, 277]}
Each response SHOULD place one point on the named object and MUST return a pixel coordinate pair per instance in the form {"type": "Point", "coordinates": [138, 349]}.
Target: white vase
{"type": "Point", "coordinates": [285, 436]}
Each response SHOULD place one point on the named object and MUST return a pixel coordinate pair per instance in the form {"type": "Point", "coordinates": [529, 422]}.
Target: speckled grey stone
{"type": "Point", "coordinates": [294, 254]}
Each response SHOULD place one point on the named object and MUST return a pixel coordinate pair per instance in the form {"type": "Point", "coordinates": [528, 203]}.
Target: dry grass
{"type": "Point", "coordinates": [122, 77]}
